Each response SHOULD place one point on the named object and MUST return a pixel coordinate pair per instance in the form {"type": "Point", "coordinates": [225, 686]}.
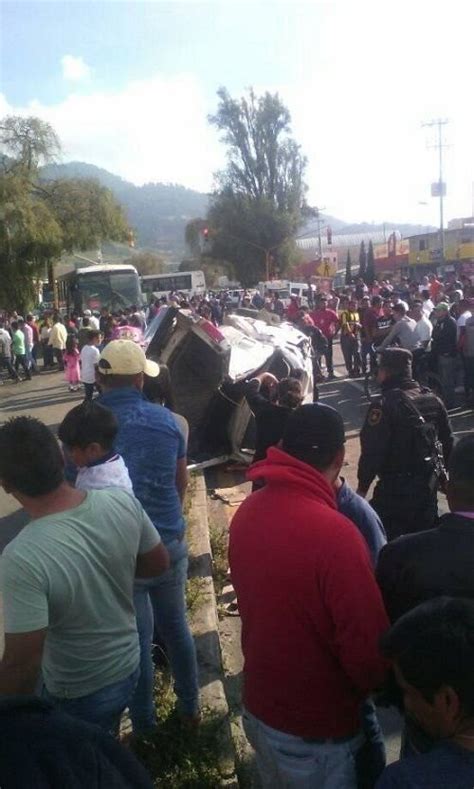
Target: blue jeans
{"type": "Point", "coordinates": [288, 762]}
{"type": "Point", "coordinates": [104, 707]}
{"type": "Point", "coordinates": [162, 600]}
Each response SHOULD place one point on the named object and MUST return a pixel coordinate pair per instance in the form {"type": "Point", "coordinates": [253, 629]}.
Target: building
{"type": "Point", "coordinates": [425, 250]}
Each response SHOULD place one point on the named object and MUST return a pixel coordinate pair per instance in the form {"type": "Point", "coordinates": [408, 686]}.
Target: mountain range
{"type": "Point", "coordinates": [158, 213]}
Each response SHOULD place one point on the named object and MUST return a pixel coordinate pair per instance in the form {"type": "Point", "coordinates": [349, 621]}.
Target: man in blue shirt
{"type": "Point", "coordinates": [153, 449]}
{"type": "Point", "coordinates": [432, 648]}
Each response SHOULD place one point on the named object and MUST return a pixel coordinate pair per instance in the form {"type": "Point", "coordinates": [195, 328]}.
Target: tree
{"type": "Point", "coordinates": [30, 142]}
{"type": "Point", "coordinates": [370, 270]}
{"type": "Point", "coordinates": [362, 261]}
{"type": "Point", "coordinates": [259, 202]}
{"type": "Point", "coordinates": [147, 263]}
{"type": "Point", "coordinates": [192, 235]}
{"type": "Point", "coordinates": [41, 219]}
{"type": "Point", "coordinates": [348, 268]}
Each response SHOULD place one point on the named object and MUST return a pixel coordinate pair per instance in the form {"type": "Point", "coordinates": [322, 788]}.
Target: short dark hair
{"type": "Point", "coordinates": [158, 389]}
{"type": "Point", "coordinates": [14, 325]}
{"type": "Point", "coordinates": [290, 392]}
{"type": "Point", "coordinates": [93, 334]}
{"type": "Point", "coordinates": [30, 457]}
{"type": "Point", "coordinates": [376, 300]}
{"type": "Point", "coordinates": [400, 308]}
{"type": "Point", "coordinates": [116, 381]}
{"type": "Point", "coordinates": [433, 645]}
{"type": "Point", "coordinates": [426, 294]}
{"type": "Point", "coordinates": [461, 469]}
{"type": "Point", "coordinates": [88, 423]}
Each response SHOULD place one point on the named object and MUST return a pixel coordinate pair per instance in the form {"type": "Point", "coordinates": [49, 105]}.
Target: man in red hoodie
{"type": "Point", "coordinates": [311, 611]}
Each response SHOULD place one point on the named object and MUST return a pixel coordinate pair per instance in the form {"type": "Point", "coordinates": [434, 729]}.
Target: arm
{"type": "Point", "coordinates": [352, 597]}
{"type": "Point", "coordinates": [391, 337]}
{"type": "Point", "coordinates": [375, 440]}
{"type": "Point", "coordinates": [153, 562]}
{"type": "Point", "coordinates": [21, 662]}
{"type": "Point", "coordinates": [181, 477]}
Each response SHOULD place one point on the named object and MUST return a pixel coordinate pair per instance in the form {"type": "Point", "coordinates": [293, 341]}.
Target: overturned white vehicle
{"type": "Point", "coordinates": [208, 367]}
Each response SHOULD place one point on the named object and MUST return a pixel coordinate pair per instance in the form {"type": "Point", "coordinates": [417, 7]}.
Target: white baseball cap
{"type": "Point", "coordinates": [125, 357]}
{"type": "Point", "coordinates": [87, 313]}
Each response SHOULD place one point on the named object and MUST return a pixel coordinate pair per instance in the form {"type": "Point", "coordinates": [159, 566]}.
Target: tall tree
{"type": "Point", "coordinates": [348, 268]}
{"type": "Point", "coordinates": [370, 270]}
{"type": "Point", "coordinates": [41, 219]}
{"type": "Point", "coordinates": [362, 261]}
{"type": "Point", "coordinates": [259, 202]}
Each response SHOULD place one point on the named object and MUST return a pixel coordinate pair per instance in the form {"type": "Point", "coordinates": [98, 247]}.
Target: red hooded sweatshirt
{"type": "Point", "coordinates": [311, 611]}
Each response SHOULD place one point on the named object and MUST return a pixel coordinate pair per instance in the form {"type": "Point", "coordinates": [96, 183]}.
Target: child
{"type": "Point", "coordinates": [71, 363]}
{"type": "Point", "coordinates": [88, 433]}
{"type": "Point", "coordinates": [89, 358]}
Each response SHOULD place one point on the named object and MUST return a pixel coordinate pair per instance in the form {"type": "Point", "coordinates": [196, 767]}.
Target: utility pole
{"type": "Point", "coordinates": [439, 145]}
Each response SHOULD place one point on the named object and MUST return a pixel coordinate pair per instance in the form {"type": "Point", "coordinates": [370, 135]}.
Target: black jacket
{"type": "Point", "coordinates": [418, 567]}
{"type": "Point", "coordinates": [444, 338]}
{"type": "Point", "coordinates": [387, 436]}
{"type": "Point", "coordinates": [41, 748]}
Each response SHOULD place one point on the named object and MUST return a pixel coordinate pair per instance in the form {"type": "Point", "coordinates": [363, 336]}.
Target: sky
{"type": "Point", "coordinates": [128, 86]}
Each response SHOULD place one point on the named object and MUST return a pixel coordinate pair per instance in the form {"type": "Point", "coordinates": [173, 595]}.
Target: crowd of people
{"type": "Point", "coordinates": [343, 603]}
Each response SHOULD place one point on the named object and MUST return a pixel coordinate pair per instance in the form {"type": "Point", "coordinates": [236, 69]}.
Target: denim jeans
{"type": "Point", "coordinates": [288, 762]}
{"type": "Point", "coordinates": [104, 707]}
{"type": "Point", "coordinates": [162, 600]}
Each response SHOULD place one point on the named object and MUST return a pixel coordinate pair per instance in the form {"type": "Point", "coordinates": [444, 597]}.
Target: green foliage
{"type": "Point", "coordinates": [370, 270]}
{"type": "Point", "coordinates": [259, 203]}
{"type": "Point", "coordinates": [29, 142]}
{"type": "Point", "coordinates": [348, 268]}
{"type": "Point", "coordinates": [86, 211]}
{"type": "Point", "coordinates": [29, 237]}
{"type": "Point", "coordinates": [193, 235]}
{"type": "Point", "coordinates": [38, 222]}
{"type": "Point", "coordinates": [362, 261]}
{"type": "Point", "coordinates": [147, 263]}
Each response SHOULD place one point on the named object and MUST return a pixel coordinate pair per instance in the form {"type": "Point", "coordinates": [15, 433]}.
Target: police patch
{"type": "Point", "coordinates": [374, 416]}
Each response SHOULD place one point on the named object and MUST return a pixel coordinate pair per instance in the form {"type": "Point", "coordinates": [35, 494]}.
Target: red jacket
{"type": "Point", "coordinates": [311, 611]}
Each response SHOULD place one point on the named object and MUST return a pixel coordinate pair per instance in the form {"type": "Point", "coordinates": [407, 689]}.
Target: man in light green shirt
{"type": "Point", "coordinates": [19, 349]}
{"type": "Point", "coordinates": [67, 581]}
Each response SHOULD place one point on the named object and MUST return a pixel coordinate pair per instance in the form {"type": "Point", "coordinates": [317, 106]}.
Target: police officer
{"type": "Point", "coordinates": [399, 442]}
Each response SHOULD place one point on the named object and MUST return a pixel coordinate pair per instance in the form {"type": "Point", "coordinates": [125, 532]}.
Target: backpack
{"type": "Point", "coordinates": [427, 445]}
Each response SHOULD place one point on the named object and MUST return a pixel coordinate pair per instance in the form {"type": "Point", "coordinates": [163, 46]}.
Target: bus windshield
{"type": "Point", "coordinates": [114, 290]}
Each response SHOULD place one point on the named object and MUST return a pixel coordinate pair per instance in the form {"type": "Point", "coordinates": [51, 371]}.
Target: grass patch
{"type": "Point", "coordinates": [176, 757]}
{"type": "Point", "coordinates": [194, 594]}
{"type": "Point", "coordinates": [219, 539]}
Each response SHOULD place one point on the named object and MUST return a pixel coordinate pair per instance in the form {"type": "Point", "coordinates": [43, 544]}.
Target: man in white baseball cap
{"type": "Point", "coordinates": [154, 452]}
{"type": "Point", "coordinates": [125, 357]}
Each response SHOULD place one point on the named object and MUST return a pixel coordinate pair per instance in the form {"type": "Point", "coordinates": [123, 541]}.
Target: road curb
{"type": "Point", "coordinates": [205, 628]}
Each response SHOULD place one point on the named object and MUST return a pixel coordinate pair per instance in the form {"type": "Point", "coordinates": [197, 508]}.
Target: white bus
{"type": "Point", "coordinates": [190, 283]}
{"type": "Point", "coordinates": [114, 286]}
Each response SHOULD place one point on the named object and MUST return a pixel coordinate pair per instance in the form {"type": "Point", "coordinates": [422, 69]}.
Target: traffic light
{"type": "Point", "coordinates": [205, 234]}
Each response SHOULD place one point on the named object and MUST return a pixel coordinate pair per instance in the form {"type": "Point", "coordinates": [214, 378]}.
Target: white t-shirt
{"type": "Point", "coordinates": [424, 330]}
{"type": "Point", "coordinates": [112, 473]}
{"type": "Point", "coordinates": [89, 358]}
{"type": "Point", "coordinates": [461, 321]}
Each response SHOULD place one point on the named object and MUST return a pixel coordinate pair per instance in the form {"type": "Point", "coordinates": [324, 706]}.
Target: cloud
{"type": "Point", "coordinates": [74, 68]}
{"type": "Point", "coordinates": [153, 129]}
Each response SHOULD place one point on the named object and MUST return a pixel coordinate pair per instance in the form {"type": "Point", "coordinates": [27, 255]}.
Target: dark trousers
{"type": "Point", "coordinates": [405, 504]}
{"type": "Point", "coordinates": [21, 359]}
{"type": "Point", "coordinates": [469, 375]}
{"type": "Point", "coordinates": [328, 356]}
{"type": "Point", "coordinates": [6, 364]}
{"type": "Point", "coordinates": [350, 351]}
{"type": "Point", "coordinates": [367, 349]}
{"type": "Point", "coordinates": [371, 759]}
{"type": "Point", "coordinates": [58, 355]}
{"type": "Point", "coordinates": [48, 355]}
{"type": "Point", "coordinates": [89, 391]}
